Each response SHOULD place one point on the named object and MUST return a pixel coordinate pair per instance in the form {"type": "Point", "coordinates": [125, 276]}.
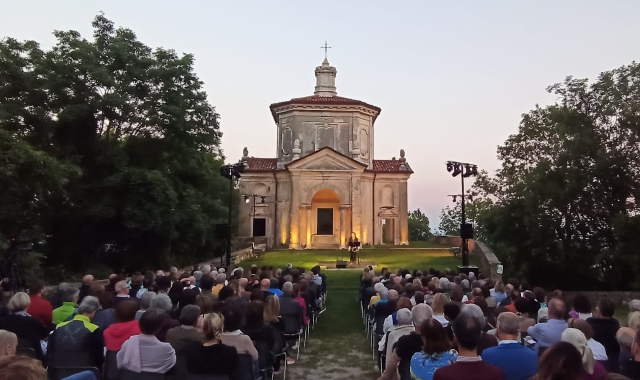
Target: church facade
{"type": "Point", "coordinates": [324, 184]}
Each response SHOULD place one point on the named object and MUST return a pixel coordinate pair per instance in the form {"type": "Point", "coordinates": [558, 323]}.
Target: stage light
{"type": "Point", "coordinates": [261, 199]}
{"type": "Point", "coordinates": [246, 199]}
{"type": "Point", "coordinates": [455, 198]}
{"type": "Point", "coordinates": [456, 170]}
{"type": "Point", "coordinates": [449, 167]}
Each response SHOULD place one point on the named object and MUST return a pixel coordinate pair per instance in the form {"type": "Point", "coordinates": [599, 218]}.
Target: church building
{"type": "Point", "coordinates": [324, 185]}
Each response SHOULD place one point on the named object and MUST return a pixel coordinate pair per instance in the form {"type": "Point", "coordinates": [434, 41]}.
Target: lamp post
{"type": "Point", "coordinates": [231, 171]}
{"type": "Point", "coordinates": [247, 198]}
{"type": "Point", "coordinates": [466, 230]}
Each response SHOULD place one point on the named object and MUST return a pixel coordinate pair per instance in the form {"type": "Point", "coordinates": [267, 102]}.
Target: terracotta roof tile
{"type": "Point", "coordinates": [255, 164]}
{"type": "Point", "coordinates": [390, 166]}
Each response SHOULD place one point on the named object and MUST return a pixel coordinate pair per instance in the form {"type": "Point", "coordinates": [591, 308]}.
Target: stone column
{"type": "Point", "coordinates": [294, 221]}
{"type": "Point", "coordinates": [356, 210]}
{"type": "Point", "coordinates": [303, 228]}
{"type": "Point", "coordinates": [343, 227]}
{"type": "Point", "coordinates": [309, 226]}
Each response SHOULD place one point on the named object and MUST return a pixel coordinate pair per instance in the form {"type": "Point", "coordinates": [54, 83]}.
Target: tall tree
{"type": "Point", "coordinates": [418, 226]}
{"type": "Point", "coordinates": [572, 169]}
{"type": "Point", "coordinates": [134, 127]}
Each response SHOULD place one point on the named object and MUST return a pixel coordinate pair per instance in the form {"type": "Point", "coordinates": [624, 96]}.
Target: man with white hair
{"type": "Point", "coordinates": [404, 327]}
{"type": "Point", "coordinates": [288, 305]}
{"type": "Point", "coordinates": [407, 344]}
{"type": "Point", "coordinates": [159, 273]}
{"type": "Point", "coordinates": [122, 293]}
{"type": "Point", "coordinates": [69, 296]}
{"type": "Point", "coordinates": [78, 342]}
{"type": "Point", "coordinates": [377, 286]}
{"type": "Point", "coordinates": [145, 303]}
{"type": "Point", "coordinates": [206, 269]}
{"type": "Point", "coordinates": [486, 340]}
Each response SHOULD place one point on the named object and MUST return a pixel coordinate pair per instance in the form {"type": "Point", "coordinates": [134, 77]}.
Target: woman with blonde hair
{"type": "Point", "coordinates": [28, 329]}
{"type": "Point", "coordinates": [593, 370]}
{"type": "Point", "coordinates": [212, 357]}
{"type": "Point", "coordinates": [498, 292]}
{"type": "Point", "coordinates": [438, 308]}
{"type": "Point", "coordinates": [272, 317]}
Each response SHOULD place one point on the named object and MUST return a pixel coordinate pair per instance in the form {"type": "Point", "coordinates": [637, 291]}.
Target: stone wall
{"type": "Point", "coordinates": [594, 297]}
{"type": "Point", "coordinates": [488, 260]}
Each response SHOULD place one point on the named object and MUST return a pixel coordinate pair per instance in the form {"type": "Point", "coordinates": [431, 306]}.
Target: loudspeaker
{"type": "Point", "coordinates": [341, 264]}
{"type": "Point", "coordinates": [466, 231]}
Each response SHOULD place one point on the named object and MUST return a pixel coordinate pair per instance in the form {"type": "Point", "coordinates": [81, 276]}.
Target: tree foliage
{"type": "Point", "coordinates": [568, 184]}
{"type": "Point", "coordinates": [109, 148]}
{"type": "Point", "coordinates": [418, 226]}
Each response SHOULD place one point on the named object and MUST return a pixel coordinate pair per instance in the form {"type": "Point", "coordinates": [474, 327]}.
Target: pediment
{"type": "Point", "coordinates": [326, 160]}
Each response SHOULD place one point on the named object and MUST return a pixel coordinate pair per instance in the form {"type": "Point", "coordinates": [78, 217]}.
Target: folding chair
{"type": "Point", "coordinates": [245, 368]}
{"type": "Point", "coordinates": [111, 371]}
{"type": "Point", "coordinates": [179, 370]}
{"type": "Point", "coordinates": [193, 376]}
{"type": "Point", "coordinates": [293, 330]}
{"type": "Point", "coordinates": [59, 373]}
{"type": "Point", "coordinates": [265, 366]}
{"type": "Point", "coordinates": [125, 374]}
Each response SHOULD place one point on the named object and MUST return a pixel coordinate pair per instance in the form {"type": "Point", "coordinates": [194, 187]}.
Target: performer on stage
{"type": "Point", "coordinates": [354, 246]}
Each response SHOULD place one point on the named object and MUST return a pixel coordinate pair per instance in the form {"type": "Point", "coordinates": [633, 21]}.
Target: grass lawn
{"type": "Point", "coordinates": [414, 244]}
{"type": "Point", "coordinates": [391, 258]}
{"type": "Point", "coordinates": [337, 348]}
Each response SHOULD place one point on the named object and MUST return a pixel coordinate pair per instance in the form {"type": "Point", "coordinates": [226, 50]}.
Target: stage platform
{"type": "Point", "coordinates": [361, 265]}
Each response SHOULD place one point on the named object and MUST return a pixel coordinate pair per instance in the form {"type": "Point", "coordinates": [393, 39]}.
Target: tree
{"type": "Point", "coordinates": [128, 146]}
{"type": "Point", "coordinates": [569, 173]}
{"type": "Point", "coordinates": [418, 226]}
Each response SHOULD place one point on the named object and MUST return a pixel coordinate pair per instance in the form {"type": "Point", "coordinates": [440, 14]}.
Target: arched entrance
{"type": "Point", "coordinates": [325, 222]}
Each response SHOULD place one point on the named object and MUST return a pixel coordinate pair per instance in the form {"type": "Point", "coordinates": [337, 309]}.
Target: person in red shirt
{"type": "Point", "coordinates": [512, 306]}
{"type": "Point", "coordinates": [125, 326]}
{"type": "Point", "coordinates": [40, 308]}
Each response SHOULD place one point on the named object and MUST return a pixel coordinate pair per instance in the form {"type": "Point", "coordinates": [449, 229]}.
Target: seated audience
{"type": "Point", "coordinates": [485, 340]}
{"type": "Point", "coordinates": [605, 328]}
{"type": "Point", "coordinates": [599, 352]}
{"type": "Point", "coordinates": [259, 331]}
{"type": "Point", "coordinates": [549, 333]}
{"type": "Point", "coordinates": [28, 329]}
{"type": "Point", "coordinates": [78, 342]}
{"type": "Point", "coordinates": [145, 303]}
{"type": "Point", "coordinates": [560, 361]}
{"type": "Point", "coordinates": [144, 352]}
{"type": "Point", "coordinates": [125, 325]}
{"type": "Point", "coordinates": [187, 333]}
{"type": "Point", "coordinates": [122, 292]}
{"type": "Point", "coordinates": [8, 343]}
{"type": "Point", "coordinates": [408, 344]}
{"type": "Point", "coordinates": [467, 330]}
{"type": "Point", "coordinates": [212, 357]}
{"type": "Point", "coordinates": [515, 360]}
{"type": "Point", "coordinates": [69, 296]}
{"type": "Point", "coordinates": [21, 368]}
{"type": "Point", "coordinates": [631, 368]}
{"type": "Point", "coordinates": [233, 336]}
{"type": "Point", "coordinates": [581, 307]}
{"type": "Point", "coordinates": [40, 308]}
{"type": "Point", "coordinates": [404, 327]}
{"type": "Point", "coordinates": [592, 369]}
{"type": "Point", "coordinates": [439, 300]}
{"type": "Point", "coordinates": [106, 316]}
{"type": "Point", "coordinates": [163, 302]}
{"type": "Point", "coordinates": [436, 352]}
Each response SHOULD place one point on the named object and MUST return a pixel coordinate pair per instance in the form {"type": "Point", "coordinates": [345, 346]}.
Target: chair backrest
{"type": "Point", "coordinates": [404, 369]}
{"type": "Point", "coordinates": [59, 373]}
{"type": "Point", "coordinates": [191, 376]}
{"type": "Point", "coordinates": [111, 365]}
{"type": "Point", "coordinates": [179, 370]}
{"type": "Point", "coordinates": [245, 368]}
{"type": "Point", "coordinates": [125, 374]}
{"type": "Point", "coordinates": [291, 323]}
{"type": "Point", "coordinates": [264, 355]}
{"type": "Point", "coordinates": [380, 323]}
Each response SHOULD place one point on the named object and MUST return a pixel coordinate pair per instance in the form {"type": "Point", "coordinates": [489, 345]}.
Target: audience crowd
{"type": "Point", "coordinates": [207, 321]}
{"type": "Point", "coordinates": [426, 325]}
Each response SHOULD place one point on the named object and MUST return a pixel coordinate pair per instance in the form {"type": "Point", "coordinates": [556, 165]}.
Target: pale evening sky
{"type": "Point", "coordinates": [452, 78]}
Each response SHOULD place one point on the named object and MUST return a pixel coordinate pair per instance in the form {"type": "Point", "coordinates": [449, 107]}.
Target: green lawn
{"type": "Point", "coordinates": [414, 244]}
{"type": "Point", "coordinates": [391, 258]}
{"type": "Point", "coordinates": [337, 348]}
